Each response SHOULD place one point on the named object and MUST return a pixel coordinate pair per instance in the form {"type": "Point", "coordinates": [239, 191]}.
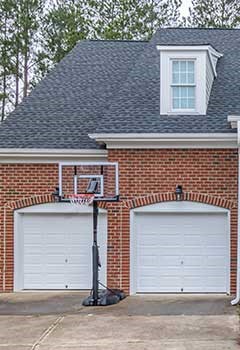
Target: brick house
{"type": "Point", "coordinates": [167, 111]}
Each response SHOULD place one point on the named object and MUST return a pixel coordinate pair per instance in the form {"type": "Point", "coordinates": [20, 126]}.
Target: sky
{"type": "Point", "coordinates": [184, 8]}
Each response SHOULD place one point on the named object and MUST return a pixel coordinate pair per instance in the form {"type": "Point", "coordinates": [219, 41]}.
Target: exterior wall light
{"type": "Point", "coordinates": [55, 195]}
{"type": "Point", "coordinates": [179, 193]}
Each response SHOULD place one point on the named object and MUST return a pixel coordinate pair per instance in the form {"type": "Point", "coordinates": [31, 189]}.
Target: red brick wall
{"type": "Point", "coordinates": [18, 184]}
{"type": "Point", "coordinates": [150, 176]}
{"type": "Point", "coordinates": [146, 176]}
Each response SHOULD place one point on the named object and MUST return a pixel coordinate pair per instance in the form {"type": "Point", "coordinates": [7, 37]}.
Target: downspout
{"type": "Point", "coordinates": [237, 298]}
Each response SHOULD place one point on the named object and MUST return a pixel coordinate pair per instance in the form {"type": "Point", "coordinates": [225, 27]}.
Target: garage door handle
{"type": "Point", "coordinates": [66, 260]}
{"type": "Point", "coordinates": [182, 262]}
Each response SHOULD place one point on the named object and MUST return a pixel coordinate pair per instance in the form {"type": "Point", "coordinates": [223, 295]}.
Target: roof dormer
{"type": "Point", "coordinates": [186, 77]}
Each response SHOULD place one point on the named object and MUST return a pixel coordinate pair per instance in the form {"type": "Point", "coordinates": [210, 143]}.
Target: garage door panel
{"type": "Point", "coordinates": [32, 269]}
{"type": "Point", "coordinates": [58, 250]}
{"type": "Point", "coordinates": [32, 249]}
{"type": "Point", "coordinates": [167, 239]}
{"type": "Point", "coordinates": [169, 260]}
{"type": "Point", "coordinates": [211, 240]}
{"type": "Point", "coordinates": [199, 271]}
{"type": "Point", "coordinates": [152, 261]}
{"type": "Point", "coordinates": [160, 271]}
{"type": "Point", "coordinates": [54, 269]}
{"type": "Point", "coordinates": [33, 259]}
{"type": "Point", "coordinates": [148, 260]}
{"type": "Point", "coordinates": [190, 254]}
{"type": "Point", "coordinates": [218, 260]}
{"type": "Point", "coordinates": [214, 281]}
{"type": "Point", "coordinates": [82, 270]}
{"type": "Point", "coordinates": [168, 284]}
{"type": "Point", "coordinates": [159, 251]}
{"type": "Point", "coordinates": [74, 238]}
{"type": "Point", "coordinates": [33, 239]}
{"type": "Point", "coordinates": [192, 240]}
{"type": "Point", "coordinates": [53, 250]}
{"type": "Point", "coordinates": [193, 260]}
{"type": "Point", "coordinates": [217, 251]}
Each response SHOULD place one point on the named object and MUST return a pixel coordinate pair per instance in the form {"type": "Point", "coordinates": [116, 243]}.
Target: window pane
{"type": "Point", "coordinates": [191, 103]}
{"type": "Point", "coordinates": [183, 78]}
{"type": "Point", "coordinates": [183, 66]}
{"type": "Point", "coordinates": [183, 92]}
{"type": "Point", "coordinates": [176, 104]}
{"type": "Point", "coordinates": [184, 103]}
{"type": "Point", "coordinates": [190, 66]}
{"type": "Point", "coordinates": [191, 91]}
{"type": "Point", "coordinates": [176, 91]}
{"type": "Point", "coordinates": [190, 78]}
{"type": "Point", "coordinates": [175, 78]}
{"type": "Point", "coordinates": [175, 66]}
{"type": "Point", "coordinates": [183, 97]}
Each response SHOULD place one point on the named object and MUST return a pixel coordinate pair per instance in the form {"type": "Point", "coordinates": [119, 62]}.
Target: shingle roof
{"type": "Point", "coordinates": [114, 86]}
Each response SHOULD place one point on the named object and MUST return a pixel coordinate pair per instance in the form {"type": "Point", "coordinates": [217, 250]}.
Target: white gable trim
{"type": "Point", "coordinates": [233, 119]}
{"type": "Point", "coordinates": [189, 48]}
{"type": "Point", "coordinates": [169, 140]}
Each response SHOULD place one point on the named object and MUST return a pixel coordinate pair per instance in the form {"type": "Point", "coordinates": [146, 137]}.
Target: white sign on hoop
{"type": "Point", "coordinates": [81, 199]}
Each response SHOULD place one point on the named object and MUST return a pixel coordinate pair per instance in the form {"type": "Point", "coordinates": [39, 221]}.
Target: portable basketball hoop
{"type": "Point", "coordinates": [81, 199]}
{"type": "Point", "coordinates": [92, 182]}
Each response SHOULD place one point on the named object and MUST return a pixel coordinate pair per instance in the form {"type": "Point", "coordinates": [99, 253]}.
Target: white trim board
{"type": "Point", "coordinates": [166, 140]}
{"type": "Point", "coordinates": [31, 155]}
{"type": "Point", "coordinates": [173, 207]}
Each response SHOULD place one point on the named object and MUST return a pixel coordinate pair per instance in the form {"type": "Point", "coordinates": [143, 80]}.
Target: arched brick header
{"type": "Point", "coordinates": [27, 202]}
{"type": "Point", "coordinates": [187, 196]}
{"type": "Point", "coordinates": [38, 199]}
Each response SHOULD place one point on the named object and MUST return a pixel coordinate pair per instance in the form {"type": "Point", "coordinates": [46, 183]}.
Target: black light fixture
{"type": "Point", "coordinates": [179, 193]}
{"type": "Point", "coordinates": [55, 195]}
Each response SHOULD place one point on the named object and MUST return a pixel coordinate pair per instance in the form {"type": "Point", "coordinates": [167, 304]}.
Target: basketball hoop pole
{"type": "Point", "coordinates": [95, 257]}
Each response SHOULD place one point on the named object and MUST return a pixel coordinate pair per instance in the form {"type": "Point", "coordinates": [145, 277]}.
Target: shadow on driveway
{"type": "Point", "coordinates": [54, 303]}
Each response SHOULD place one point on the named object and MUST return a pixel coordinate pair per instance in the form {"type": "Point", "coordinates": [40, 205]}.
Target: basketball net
{"type": "Point", "coordinates": [81, 199]}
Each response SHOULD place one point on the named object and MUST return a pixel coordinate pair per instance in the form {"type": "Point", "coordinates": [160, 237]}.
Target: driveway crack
{"type": "Point", "coordinates": [47, 332]}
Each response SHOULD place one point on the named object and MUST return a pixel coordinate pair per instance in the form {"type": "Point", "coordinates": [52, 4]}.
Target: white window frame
{"type": "Point", "coordinates": [182, 110]}
{"type": "Point", "coordinates": [166, 58]}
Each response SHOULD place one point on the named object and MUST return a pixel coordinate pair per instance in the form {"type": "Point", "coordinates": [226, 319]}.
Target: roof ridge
{"type": "Point", "coordinates": [117, 40]}
{"type": "Point", "coordinates": [200, 28]}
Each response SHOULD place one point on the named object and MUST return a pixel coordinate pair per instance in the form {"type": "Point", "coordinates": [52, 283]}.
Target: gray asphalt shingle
{"type": "Point", "coordinates": [107, 86]}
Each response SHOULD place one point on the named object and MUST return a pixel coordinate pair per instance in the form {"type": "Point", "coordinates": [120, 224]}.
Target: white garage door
{"type": "Point", "coordinates": [184, 252]}
{"type": "Point", "coordinates": [57, 250]}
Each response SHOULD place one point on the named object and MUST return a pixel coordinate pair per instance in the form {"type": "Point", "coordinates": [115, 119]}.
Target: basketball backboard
{"type": "Point", "coordinates": [100, 178]}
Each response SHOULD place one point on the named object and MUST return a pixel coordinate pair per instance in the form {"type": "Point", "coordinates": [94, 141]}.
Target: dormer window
{"type": "Point", "coordinates": [186, 77]}
{"type": "Point", "coordinates": [183, 85]}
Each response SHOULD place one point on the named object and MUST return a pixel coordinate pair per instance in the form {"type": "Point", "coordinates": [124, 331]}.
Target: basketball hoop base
{"type": "Point", "coordinates": [105, 298]}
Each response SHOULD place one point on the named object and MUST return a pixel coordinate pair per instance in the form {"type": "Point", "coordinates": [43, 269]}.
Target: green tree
{"type": "Point", "coordinates": [19, 25]}
{"type": "Point", "coordinates": [62, 27]}
{"type": "Point", "coordinates": [69, 21]}
{"type": "Point", "coordinates": [132, 19]}
{"type": "Point", "coordinates": [28, 21]}
{"type": "Point", "coordinates": [214, 13]}
{"type": "Point", "coordinates": [6, 65]}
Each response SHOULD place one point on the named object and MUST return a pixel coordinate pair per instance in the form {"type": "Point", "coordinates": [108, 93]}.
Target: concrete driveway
{"type": "Point", "coordinates": [51, 321]}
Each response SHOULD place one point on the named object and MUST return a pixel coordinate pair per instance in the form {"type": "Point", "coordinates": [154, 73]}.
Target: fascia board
{"type": "Point", "coordinates": [49, 155]}
{"type": "Point", "coordinates": [225, 140]}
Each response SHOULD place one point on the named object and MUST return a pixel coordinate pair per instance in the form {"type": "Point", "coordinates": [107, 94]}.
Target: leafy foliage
{"type": "Point", "coordinates": [19, 24]}
{"type": "Point", "coordinates": [132, 19]}
{"type": "Point", "coordinates": [214, 13]}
